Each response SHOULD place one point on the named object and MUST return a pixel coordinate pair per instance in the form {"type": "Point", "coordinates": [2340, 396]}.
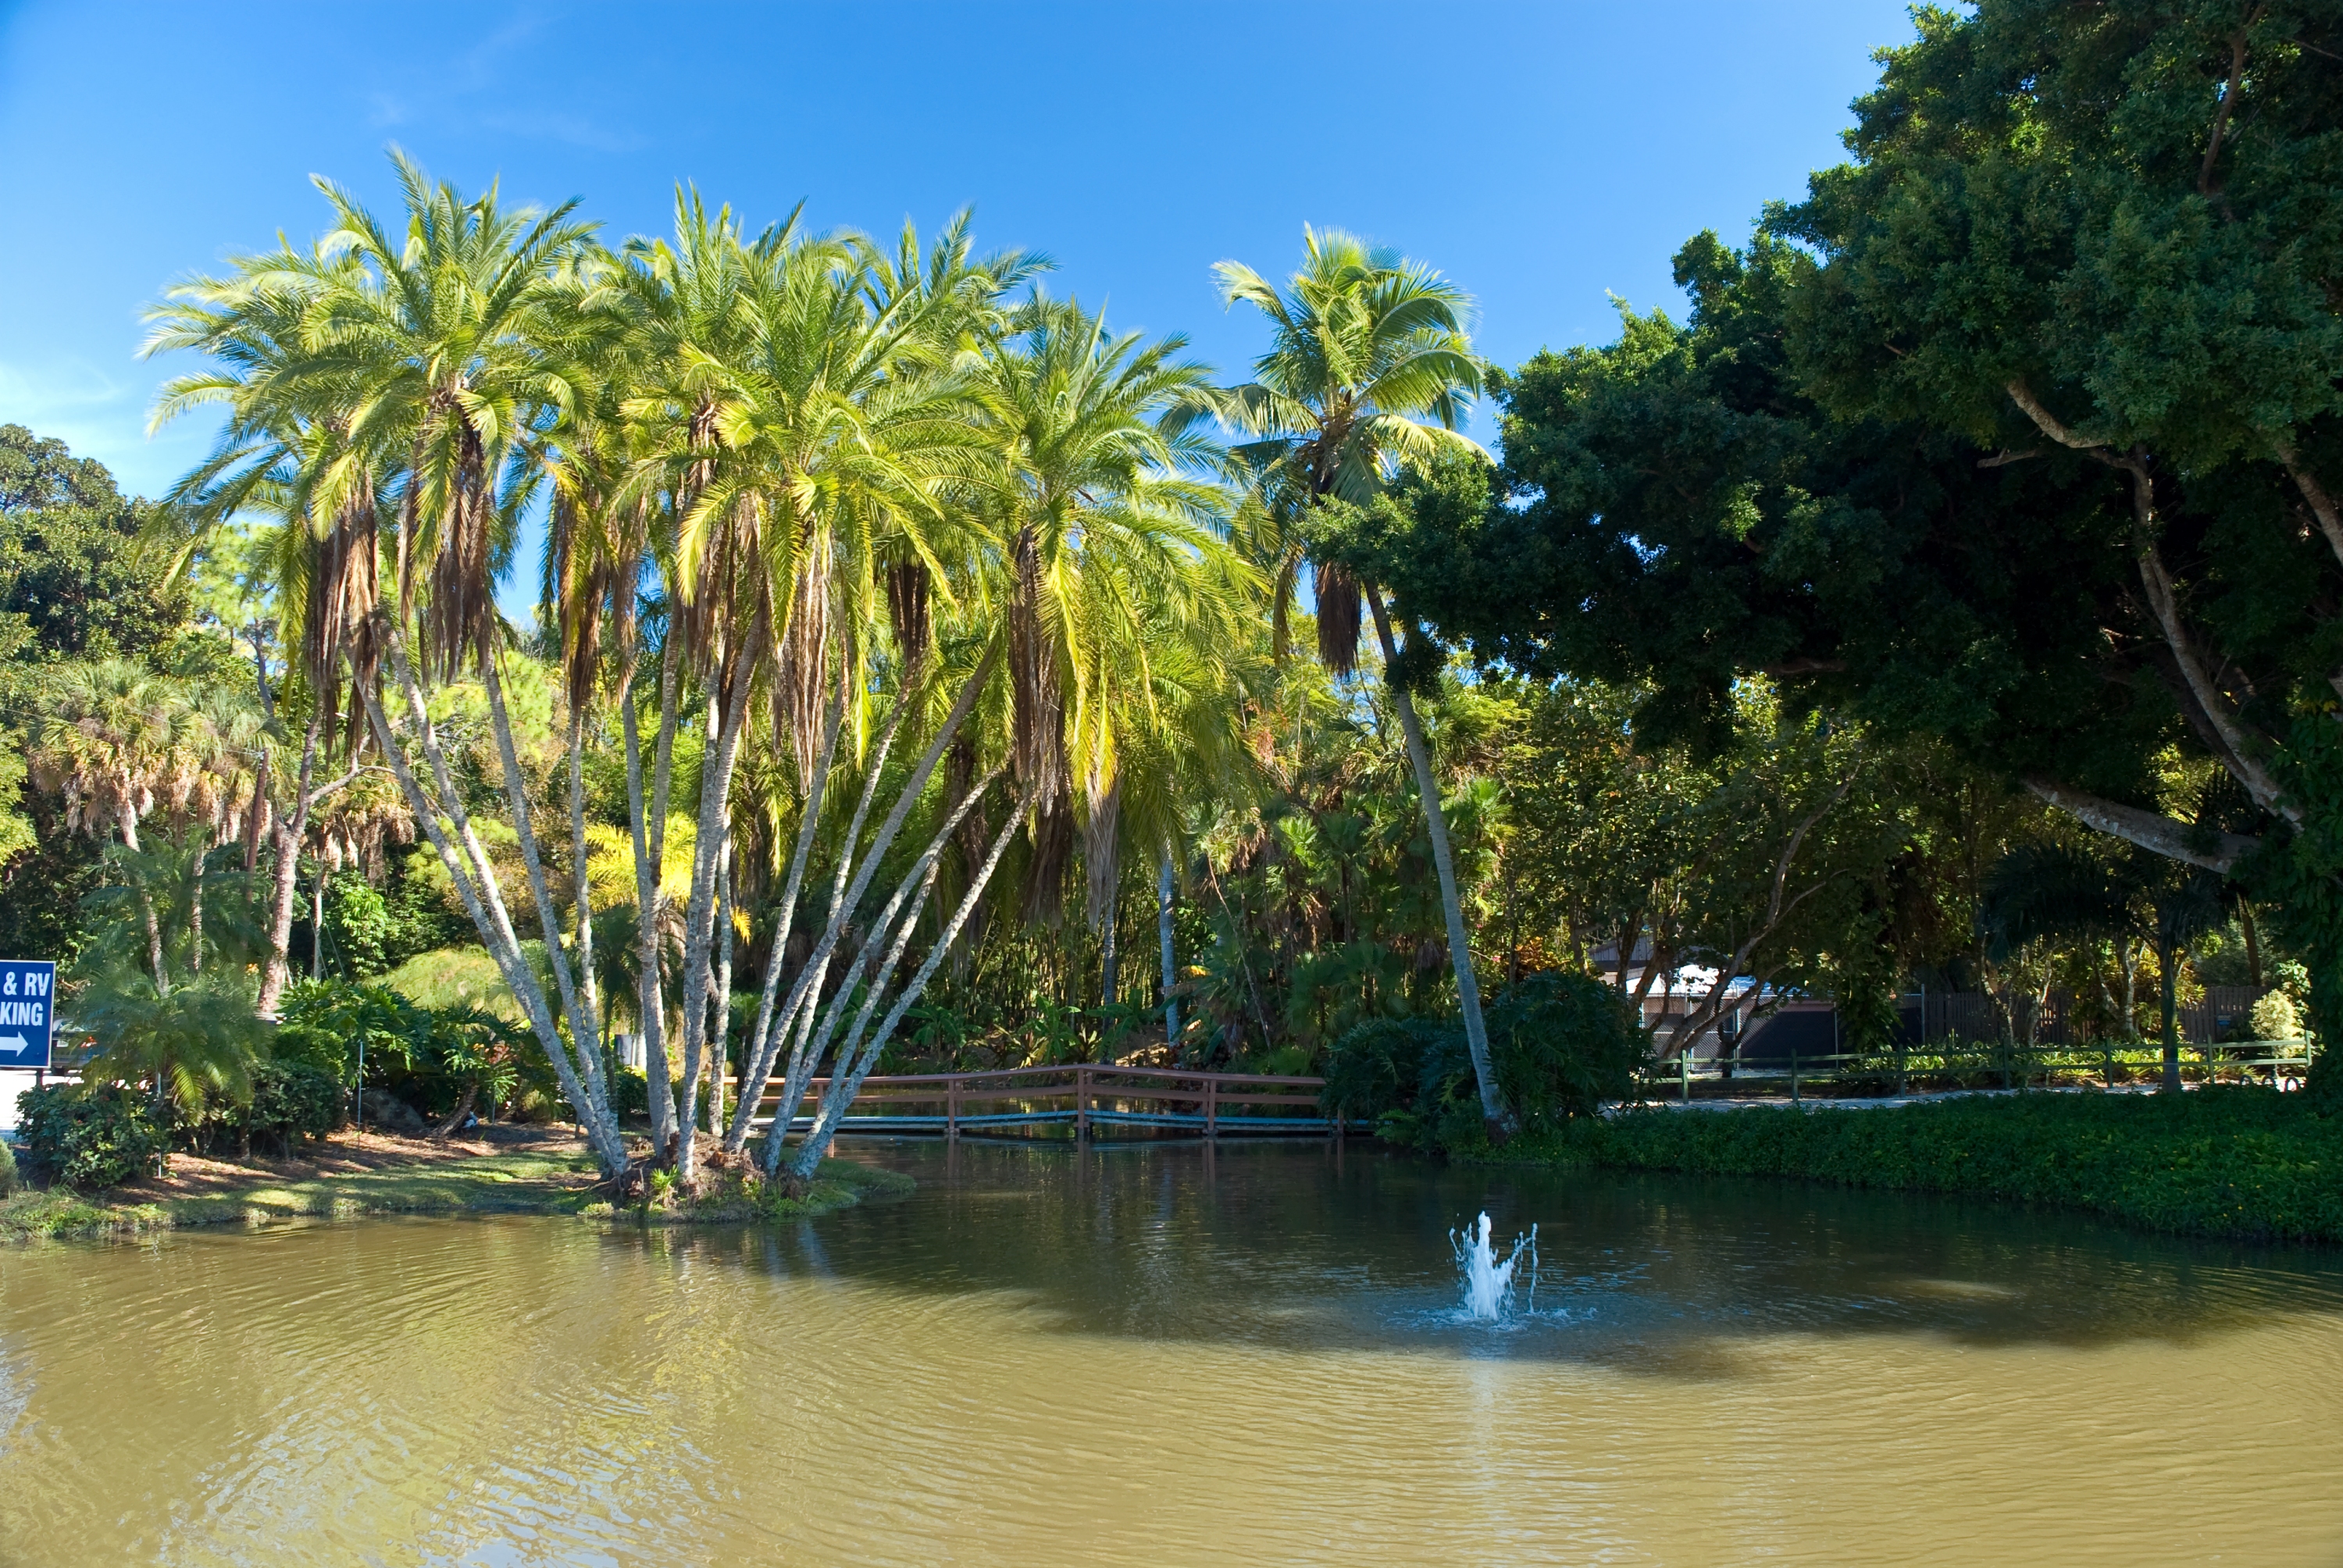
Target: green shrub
{"type": "Point", "coordinates": [2274, 1018]}
{"type": "Point", "coordinates": [8, 1183]}
{"type": "Point", "coordinates": [292, 1101]}
{"type": "Point", "coordinates": [91, 1136]}
{"type": "Point", "coordinates": [1377, 1067]}
{"type": "Point", "coordinates": [2227, 1161]}
{"type": "Point", "coordinates": [1562, 1046]}
{"type": "Point", "coordinates": [630, 1094]}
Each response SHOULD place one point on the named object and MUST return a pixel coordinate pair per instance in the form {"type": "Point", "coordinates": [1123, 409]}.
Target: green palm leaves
{"type": "Point", "coordinates": [1365, 347]}
{"type": "Point", "coordinates": [839, 493]}
{"type": "Point", "coordinates": [1362, 343]}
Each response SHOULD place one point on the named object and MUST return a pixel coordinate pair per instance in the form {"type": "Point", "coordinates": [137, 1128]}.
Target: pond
{"type": "Point", "coordinates": [1178, 1354]}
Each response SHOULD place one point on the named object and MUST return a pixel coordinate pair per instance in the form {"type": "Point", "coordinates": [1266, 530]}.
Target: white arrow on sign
{"type": "Point", "coordinates": [14, 1044]}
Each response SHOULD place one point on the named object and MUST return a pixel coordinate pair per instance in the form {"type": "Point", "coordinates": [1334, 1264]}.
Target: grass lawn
{"type": "Point", "coordinates": [375, 1173]}
{"type": "Point", "coordinates": [2245, 1163]}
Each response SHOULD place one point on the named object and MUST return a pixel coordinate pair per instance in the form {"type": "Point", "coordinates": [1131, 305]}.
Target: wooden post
{"type": "Point", "coordinates": [1684, 1077]}
{"type": "Point", "coordinates": [951, 1106]}
{"type": "Point", "coordinates": [2106, 1063]}
{"type": "Point", "coordinates": [1212, 1107]}
{"type": "Point", "coordinates": [1794, 1076]}
{"type": "Point", "coordinates": [1082, 1103]}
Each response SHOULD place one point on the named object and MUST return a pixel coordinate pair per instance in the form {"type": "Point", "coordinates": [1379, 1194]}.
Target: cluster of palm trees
{"type": "Point", "coordinates": [875, 558]}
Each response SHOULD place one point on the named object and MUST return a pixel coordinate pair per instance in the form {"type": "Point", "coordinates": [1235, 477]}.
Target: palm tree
{"type": "Point", "coordinates": [1103, 549]}
{"type": "Point", "coordinates": [1111, 538]}
{"type": "Point", "coordinates": [807, 418]}
{"type": "Point", "coordinates": [1365, 347]}
{"type": "Point", "coordinates": [442, 338]}
{"type": "Point", "coordinates": [108, 738]}
{"type": "Point", "coordinates": [291, 451]}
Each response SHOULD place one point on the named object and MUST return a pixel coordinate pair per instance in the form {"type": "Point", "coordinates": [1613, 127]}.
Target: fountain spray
{"type": "Point", "coordinates": [1489, 1283]}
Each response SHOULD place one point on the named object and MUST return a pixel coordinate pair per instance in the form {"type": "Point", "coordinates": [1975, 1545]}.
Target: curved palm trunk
{"type": "Point", "coordinates": [848, 1079]}
{"type": "Point", "coordinates": [720, 1027]}
{"type": "Point", "coordinates": [585, 1030]}
{"type": "Point", "coordinates": [283, 876]}
{"type": "Point", "coordinates": [582, 896]}
{"type": "Point", "coordinates": [808, 986]}
{"type": "Point", "coordinates": [468, 869]}
{"type": "Point", "coordinates": [648, 824]}
{"type": "Point", "coordinates": [915, 886]}
{"type": "Point", "coordinates": [1494, 1116]}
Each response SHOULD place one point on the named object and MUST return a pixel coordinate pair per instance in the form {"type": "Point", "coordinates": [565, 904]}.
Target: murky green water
{"type": "Point", "coordinates": [1180, 1356]}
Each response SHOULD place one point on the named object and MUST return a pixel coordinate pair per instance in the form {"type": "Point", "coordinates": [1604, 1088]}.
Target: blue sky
{"type": "Point", "coordinates": [1545, 156]}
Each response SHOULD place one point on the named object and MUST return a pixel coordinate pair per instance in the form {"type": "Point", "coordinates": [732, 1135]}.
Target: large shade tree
{"type": "Point", "coordinates": [2019, 431]}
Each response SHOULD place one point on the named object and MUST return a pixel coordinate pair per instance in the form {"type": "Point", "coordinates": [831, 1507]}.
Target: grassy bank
{"type": "Point", "coordinates": [2245, 1163]}
{"type": "Point", "coordinates": [379, 1175]}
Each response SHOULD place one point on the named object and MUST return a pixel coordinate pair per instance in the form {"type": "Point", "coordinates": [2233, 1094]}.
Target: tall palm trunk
{"type": "Point", "coordinates": [195, 905]}
{"type": "Point", "coordinates": [707, 850]}
{"type": "Point", "coordinates": [649, 826]}
{"type": "Point", "coordinates": [2168, 986]}
{"type": "Point", "coordinates": [720, 1027]}
{"type": "Point", "coordinates": [581, 896]}
{"type": "Point", "coordinates": [284, 874]}
{"type": "Point", "coordinates": [585, 1031]}
{"type": "Point", "coordinates": [468, 867]}
{"type": "Point", "coordinates": [1494, 1116]}
{"type": "Point", "coordinates": [1163, 890]}
{"type": "Point", "coordinates": [129, 825]}
{"type": "Point", "coordinates": [849, 1073]}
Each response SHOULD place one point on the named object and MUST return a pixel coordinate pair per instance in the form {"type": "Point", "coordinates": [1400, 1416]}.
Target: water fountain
{"type": "Point", "coordinates": [1489, 1283]}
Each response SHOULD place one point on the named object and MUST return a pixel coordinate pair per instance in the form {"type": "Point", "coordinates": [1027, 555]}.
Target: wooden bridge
{"type": "Point", "coordinates": [1087, 1097]}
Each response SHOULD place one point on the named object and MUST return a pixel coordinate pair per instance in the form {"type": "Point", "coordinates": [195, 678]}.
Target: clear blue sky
{"type": "Point", "coordinates": [1544, 155]}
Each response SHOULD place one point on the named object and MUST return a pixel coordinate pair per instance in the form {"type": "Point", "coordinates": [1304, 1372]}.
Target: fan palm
{"type": "Point", "coordinates": [1365, 347]}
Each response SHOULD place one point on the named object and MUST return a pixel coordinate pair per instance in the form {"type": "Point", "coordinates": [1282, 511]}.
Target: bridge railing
{"type": "Point", "coordinates": [1086, 1096]}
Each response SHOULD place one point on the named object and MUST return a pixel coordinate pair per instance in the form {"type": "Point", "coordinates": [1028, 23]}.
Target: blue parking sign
{"type": "Point", "coordinates": [27, 1018]}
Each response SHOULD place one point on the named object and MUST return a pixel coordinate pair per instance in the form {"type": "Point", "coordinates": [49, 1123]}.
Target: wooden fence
{"type": "Point", "coordinates": [1021, 1098]}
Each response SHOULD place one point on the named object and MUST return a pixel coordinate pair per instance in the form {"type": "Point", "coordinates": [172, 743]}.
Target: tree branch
{"type": "Point", "coordinates": [2162, 835]}
{"type": "Point", "coordinates": [2204, 186]}
{"type": "Point", "coordinates": [2165, 605]}
{"type": "Point", "coordinates": [2322, 504]}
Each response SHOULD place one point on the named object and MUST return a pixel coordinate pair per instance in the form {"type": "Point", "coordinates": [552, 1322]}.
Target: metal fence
{"type": "Point", "coordinates": [1971, 1064]}
{"type": "Point", "coordinates": [2219, 1013]}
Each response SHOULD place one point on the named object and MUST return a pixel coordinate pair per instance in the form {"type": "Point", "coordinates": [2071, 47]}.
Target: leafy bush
{"type": "Point", "coordinates": [2224, 1162]}
{"type": "Point", "coordinates": [2275, 1018]}
{"type": "Point", "coordinates": [1378, 1067]}
{"type": "Point", "coordinates": [631, 1093]}
{"type": "Point", "coordinates": [1562, 1046]}
{"type": "Point", "coordinates": [85, 1136]}
{"type": "Point", "coordinates": [7, 1169]}
{"type": "Point", "coordinates": [293, 1102]}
